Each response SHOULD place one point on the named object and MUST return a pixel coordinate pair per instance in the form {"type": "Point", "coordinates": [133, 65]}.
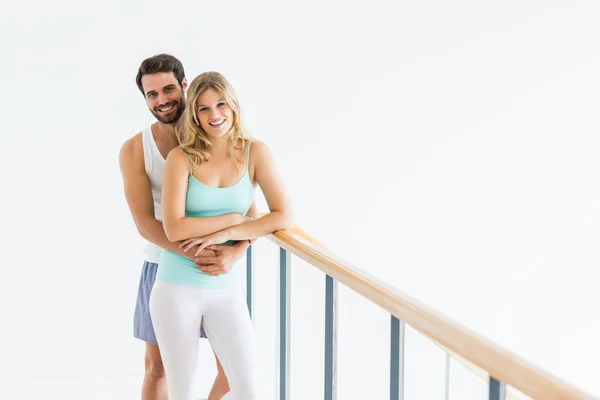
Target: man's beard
{"type": "Point", "coordinates": [170, 119]}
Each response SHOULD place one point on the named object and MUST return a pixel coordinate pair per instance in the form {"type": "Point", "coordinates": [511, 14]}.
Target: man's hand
{"type": "Point", "coordinates": [223, 260]}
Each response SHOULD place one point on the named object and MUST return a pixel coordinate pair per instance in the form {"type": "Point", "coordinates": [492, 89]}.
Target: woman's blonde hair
{"type": "Point", "coordinates": [192, 138]}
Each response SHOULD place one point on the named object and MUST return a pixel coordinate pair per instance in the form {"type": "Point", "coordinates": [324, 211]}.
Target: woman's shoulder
{"type": "Point", "coordinates": [258, 148]}
{"type": "Point", "coordinates": [177, 156]}
{"type": "Point", "coordinates": [260, 155]}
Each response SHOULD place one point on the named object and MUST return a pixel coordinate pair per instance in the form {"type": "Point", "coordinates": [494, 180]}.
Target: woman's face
{"type": "Point", "coordinates": [214, 114]}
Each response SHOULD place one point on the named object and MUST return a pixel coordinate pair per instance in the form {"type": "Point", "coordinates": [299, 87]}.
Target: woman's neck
{"type": "Point", "coordinates": [220, 146]}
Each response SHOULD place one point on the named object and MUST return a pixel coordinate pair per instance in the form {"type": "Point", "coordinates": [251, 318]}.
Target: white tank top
{"type": "Point", "coordinates": [155, 169]}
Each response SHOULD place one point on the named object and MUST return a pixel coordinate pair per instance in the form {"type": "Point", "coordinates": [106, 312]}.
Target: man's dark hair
{"type": "Point", "coordinates": [160, 63]}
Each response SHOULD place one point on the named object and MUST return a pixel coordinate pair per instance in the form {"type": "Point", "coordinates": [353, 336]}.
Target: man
{"type": "Point", "coordinates": [161, 79]}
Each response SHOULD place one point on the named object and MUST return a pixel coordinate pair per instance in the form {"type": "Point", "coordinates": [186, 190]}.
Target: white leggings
{"type": "Point", "coordinates": [176, 313]}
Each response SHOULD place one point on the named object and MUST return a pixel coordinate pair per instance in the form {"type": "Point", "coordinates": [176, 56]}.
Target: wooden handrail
{"type": "Point", "coordinates": [467, 346]}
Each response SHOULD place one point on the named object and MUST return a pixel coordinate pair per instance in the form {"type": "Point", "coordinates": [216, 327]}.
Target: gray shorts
{"type": "Point", "coordinates": [142, 323]}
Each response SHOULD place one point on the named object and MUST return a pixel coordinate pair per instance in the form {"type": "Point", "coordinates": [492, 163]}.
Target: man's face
{"type": "Point", "coordinates": [164, 96]}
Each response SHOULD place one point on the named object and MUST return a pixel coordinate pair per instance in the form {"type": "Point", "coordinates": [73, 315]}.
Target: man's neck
{"type": "Point", "coordinates": [164, 131]}
{"type": "Point", "coordinates": [164, 137]}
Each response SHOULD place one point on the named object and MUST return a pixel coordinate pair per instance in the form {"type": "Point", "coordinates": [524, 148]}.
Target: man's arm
{"type": "Point", "coordinates": [138, 194]}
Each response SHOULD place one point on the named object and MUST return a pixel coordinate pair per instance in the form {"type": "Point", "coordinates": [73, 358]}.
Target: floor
{"type": "Point", "coordinates": [78, 388]}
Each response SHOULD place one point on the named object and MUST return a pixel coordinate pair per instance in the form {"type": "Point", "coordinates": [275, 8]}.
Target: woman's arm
{"type": "Point", "coordinates": [253, 211]}
{"type": "Point", "coordinates": [177, 225]}
{"type": "Point", "coordinates": [281, 215]}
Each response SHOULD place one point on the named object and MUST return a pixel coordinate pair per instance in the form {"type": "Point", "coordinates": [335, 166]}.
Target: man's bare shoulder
{"type": "Point", "coordinates": [132, 151]}
{"type": "Point", "coordinates": [133, 144]}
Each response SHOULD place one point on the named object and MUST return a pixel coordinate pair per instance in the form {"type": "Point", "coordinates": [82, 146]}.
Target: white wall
{"type": "Point", "coordinates": [447, 147]}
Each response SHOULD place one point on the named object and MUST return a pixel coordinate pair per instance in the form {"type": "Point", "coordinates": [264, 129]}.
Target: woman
{"type": "Point", "coordinates": [208, 188]}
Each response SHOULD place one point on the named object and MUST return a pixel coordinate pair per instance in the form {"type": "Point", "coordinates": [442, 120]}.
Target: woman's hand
{"type": "Point", "coordinates": [204, 241]}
